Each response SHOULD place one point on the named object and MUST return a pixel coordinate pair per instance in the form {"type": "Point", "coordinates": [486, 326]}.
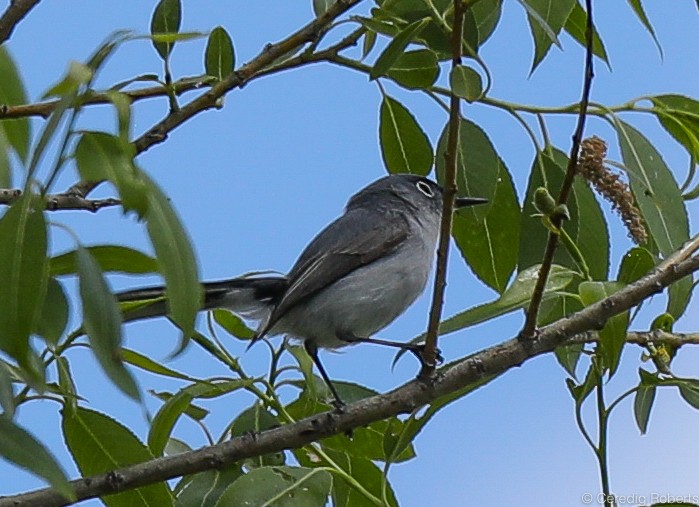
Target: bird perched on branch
{"type": "Point", "coordinates": [354, 278]}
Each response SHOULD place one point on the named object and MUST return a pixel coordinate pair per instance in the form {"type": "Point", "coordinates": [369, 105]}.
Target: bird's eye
{"type": "Point", "coordinates": [424, 188]}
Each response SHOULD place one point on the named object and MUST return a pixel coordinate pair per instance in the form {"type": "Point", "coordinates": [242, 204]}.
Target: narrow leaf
{"type": "Point", "coordinates": [613, 334]}
{"type": "Point", "coordinates": [546, 19]}
{"type": "Point", "coordinates": [642, 405]}
{"type": "Point", "coordinates": [102, 322]}
{"type": "Point", "coordinates": [660, 201]}
{"type": "Point", "coordinates": [516, 297]}
{"type": "Point", "coordinates": [679, 115]}
{"type": "Point", "coordinates": [102, 156]}
{"type": "Point", "coordinates": [99, 444]}
{"type": "Point", "coordinates": [147, 364]}
{"type": "Point", "coordinates": [166, 19]}
{"type": "Point", "coordinates": [576, 25]}
{"type": "Point", "coordinates": [112, 258]}
{"type": "Point", "coordinates": [12, 93]}
{"type": "Point", "coordinates": [176, 260]}
{"type": "Point", "coordinates": [219, 60]}
{"type": "Point", "coordinates": [404, 145]}
{"type": "Point", "coordinates": [396, 47]}
{"type": "Point", "coordinates": [54, 314]}
{"type": "Point", "coordinates": [21, 448]}
{"type": "Point", "coordinates": [24, 274]}
{"type": "Point", "coordinates": [641, 14]}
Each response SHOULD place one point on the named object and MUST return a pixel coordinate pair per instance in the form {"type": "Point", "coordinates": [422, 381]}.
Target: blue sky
{"type": "Point", "coordinates": [255, 181]}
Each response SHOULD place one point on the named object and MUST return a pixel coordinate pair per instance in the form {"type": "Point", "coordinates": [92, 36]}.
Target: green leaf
{"type": "Point", "coordinates": [415, 69]}
{"type": "Point", "coordinates": [193, 411]}
{"type": "Point", "coordinates": [54, 314]}
{"type": "Point", "coordinates": [679, 115]}
{"type": "Point", "coordinates": [404, 146]}
{"type": "Point", "coordinates": [485, 234]}
{"type": "Point", "coordinates": [557, 306]}
{"type": "Point", "coordinates": [368, 43]}
{"type": "Point", "coordinates": [21, 448]}
{"type": "Point", "coordinates": [568, 357]}
{"type": "Point", "coordinates": [176, 260]}
{"type": "Point", "coordinates": [517, 296]}
{"type": "Point", "coordinates": [581, 391]}
{"type": "Point", "coordinates": [659, 200]}
{"type": "Point", "coordinates": [166, 19]}
{"type": "Point", "coordinates": [367, 441]}
{"type": "Point", "coordinates": [486, 14]}
{"type": "Point", "coordinates": [396, 47]}
{"type": "Point", "coordinates": [287, 486]}
{"type": "Point", "coordinates": [111, 258]}
{"type": "Point", "coordinates": [99, 444]}
{"type": "Point", "coordinates": [164, 421]}
{"type": "Point", "coordinates": [102, 156]}
{"type": "Point", "coordinates": [66, 383]}
{"type": "Point", "coordinates": [586, 226]}
{"type": "Point", "coordinates": [636, 263]}
{"type": "Point", "coordinates": [613, 334]}
{"type": "Point", "coordinates": [233, 324]}
{"type": "Point", "coordinates": [641, 14]}
{"type": "Point", "coordinates": [204, 489]}
{"type": "Point", "coordinates": [219, 60]}
{"type": "Point", "coordinates": [24, 274]}
{"type": "Point", "coordinates": [102, 323]}
{"type": "Point", "coordinates": [12, 93]}
{"type": "Point", "coordinates": [642, 405]}
{"type": "Point", "coordinates": [546, 19]}
{"type": "Point", "coordinates": [576, 25]}
{"type": "Point", "coordinates": [363, 470]}
{"type": "Point", "coordinates": [689, 390]}
{"type": "Point", "coordinates": [147, 364]}
{"type": "Point", "coordinates": [122, 105]}
{"type": "Point", "coordinates": [466, 83]}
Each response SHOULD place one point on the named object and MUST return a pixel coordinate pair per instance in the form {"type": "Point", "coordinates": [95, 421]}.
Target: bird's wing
{"type": "Point", "coordinates": [354, 240]}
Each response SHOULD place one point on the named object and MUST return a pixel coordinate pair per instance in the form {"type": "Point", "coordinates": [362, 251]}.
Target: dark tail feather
{"type": "Point", "coordinates": [242, 295]}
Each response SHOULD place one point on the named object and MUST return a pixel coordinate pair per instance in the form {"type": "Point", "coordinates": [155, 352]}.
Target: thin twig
{"type": "Point", "coordinates": [44, 109]}
{"type": "Point", "coordinates": [478, 368]}
{"type": "Point", "coordinates": [533, 311]}
{"type": "Point", "coordinates": [14, 13]}
{"type": "Point", "coordinates": [449, 184]}
{"type": "Point", "coordinates": [64, 201]}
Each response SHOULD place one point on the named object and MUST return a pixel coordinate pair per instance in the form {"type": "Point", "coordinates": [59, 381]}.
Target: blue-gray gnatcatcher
{"type": "Point", "coordinates": [355, 277]}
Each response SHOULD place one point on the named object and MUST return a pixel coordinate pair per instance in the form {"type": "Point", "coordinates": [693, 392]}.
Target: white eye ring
{"type": "Point", "coordinates": [424, 188]}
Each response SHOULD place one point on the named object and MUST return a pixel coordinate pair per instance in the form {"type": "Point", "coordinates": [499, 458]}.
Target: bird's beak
{"type": "Point", "coordinates": [462, 202]}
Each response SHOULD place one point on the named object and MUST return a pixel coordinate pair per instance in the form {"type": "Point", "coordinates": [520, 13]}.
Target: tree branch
{"type": "Point", "coordinates": [65, 201]}
{"type": "Point", "coordinates": [490, 362]}
{"type": "Point", "coordinates": [440, 281]}
{"type": "Point", "coordinates": [552, 243]}
{"type": "Point", "coordinates": [44, 109]}
{"type": "Point", "coordinates": [14, 13]}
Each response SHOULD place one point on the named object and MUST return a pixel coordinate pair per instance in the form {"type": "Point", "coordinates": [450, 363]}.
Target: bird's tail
{"type": "Point", "coordinates": [249, 297]}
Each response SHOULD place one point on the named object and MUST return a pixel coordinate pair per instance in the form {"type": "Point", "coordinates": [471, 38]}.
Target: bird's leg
{"type": "Point", "coordinates": [312, 350]}
{"type": "Point", "coordinates": [416, 348]}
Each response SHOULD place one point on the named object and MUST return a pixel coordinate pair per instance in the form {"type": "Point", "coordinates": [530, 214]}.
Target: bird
{"type": "Point", "coordinates": [353, 279]}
